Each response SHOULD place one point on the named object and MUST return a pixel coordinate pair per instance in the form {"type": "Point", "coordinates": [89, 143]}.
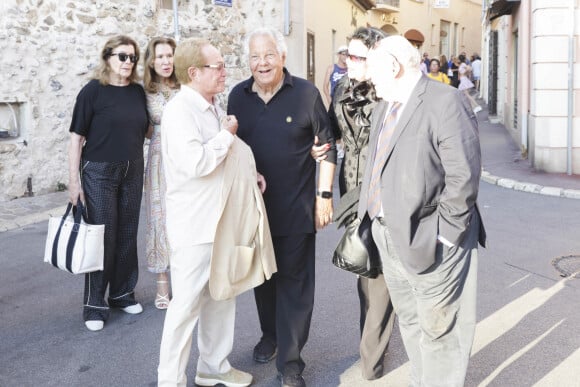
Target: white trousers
{"type": "Point", "coordinates": [191, 302]}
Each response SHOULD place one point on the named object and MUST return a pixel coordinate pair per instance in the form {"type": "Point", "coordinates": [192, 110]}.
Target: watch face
{"type": "Point", "coordinates": [326, 194]}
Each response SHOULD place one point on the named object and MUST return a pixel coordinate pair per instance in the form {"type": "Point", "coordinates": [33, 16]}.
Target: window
{"type": "Point", "coordinates": [10, 122]}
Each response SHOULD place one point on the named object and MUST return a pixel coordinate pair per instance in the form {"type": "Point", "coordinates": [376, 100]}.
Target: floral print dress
{"type": "Point", "coordinates": [157, 247]}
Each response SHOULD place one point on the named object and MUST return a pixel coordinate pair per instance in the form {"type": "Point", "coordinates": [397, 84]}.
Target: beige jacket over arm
{"type": "Point", "coordinates": [243, 254]}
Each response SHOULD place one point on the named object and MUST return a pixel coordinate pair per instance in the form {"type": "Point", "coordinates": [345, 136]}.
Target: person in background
{"type": "Point", "coordinates": [467, 61]}
{"type": "Point", "coordinates": [476, 70]}
{"type": "Point", "coordinates": [454, 71]}
{"type": "Point", "coordinates": [444, 65]}
{"type": "Point", "coordinates": [334, 73]}
{"type": "Point", "coordinates": [350, 115]}
{"type": "Point", "coordinates": [107, 133]}
{"type": "Point", "coordinates": [196, 139]}
{"type": "Point", "coordinates": [279, 115]}
{"type": "Point", "coordinates": [160, 85]}
{"type": "Point", "coordinates": [435, 74]}
{"type": "Point", "coordinates": [465, 84]}
{"type": "Point", "coordinates": [425, 64]}
{"type": "Point", "coordinates": [420, 189]}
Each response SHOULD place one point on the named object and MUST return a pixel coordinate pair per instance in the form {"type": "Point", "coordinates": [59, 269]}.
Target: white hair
{"type": "Point", "coordinates": [405, 53]}
{"type": "Point", "coordinates": [281, 46]}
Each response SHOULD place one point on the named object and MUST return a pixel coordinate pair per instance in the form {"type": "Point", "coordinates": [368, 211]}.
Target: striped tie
{"type": "Point", "coordinates": [374, 195]}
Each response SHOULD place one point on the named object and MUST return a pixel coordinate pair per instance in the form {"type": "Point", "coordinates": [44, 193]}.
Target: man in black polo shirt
{"type": "Point", "coordinates": [278, 117]}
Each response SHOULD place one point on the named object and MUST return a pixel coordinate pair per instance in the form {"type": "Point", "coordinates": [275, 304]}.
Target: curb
{"type": "Point", "coordinates": [26, 220]}
{"type": "Point", "coordinates": [529, 187]}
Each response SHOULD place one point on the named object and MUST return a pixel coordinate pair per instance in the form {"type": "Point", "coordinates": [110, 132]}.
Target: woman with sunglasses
{"type": "Point", "coordinates": [107, 132]}
{"type": "Point", "coordinates": [160, 85]}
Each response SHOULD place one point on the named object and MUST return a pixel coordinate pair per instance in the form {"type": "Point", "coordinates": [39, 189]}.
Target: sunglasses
{"type": "Point", "coordinates": [123, 57]}
{"type": "Point", "coordinates": [356, 58]}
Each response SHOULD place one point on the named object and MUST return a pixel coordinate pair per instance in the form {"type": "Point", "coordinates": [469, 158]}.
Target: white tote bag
{"type": "Point", "coordinates": [72, 244]}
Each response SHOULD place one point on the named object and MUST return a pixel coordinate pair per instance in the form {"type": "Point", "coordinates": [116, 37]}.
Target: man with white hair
{"type": "Point", "coordinates": [279, 115]}
{"type": "Point", "coordinates": [420, 189]}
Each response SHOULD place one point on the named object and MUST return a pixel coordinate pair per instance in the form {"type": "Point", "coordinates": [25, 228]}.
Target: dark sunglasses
{"type": "Point", "coordinates": [356, 58]}
{"type": "Point", "coordinates": [123, 57]}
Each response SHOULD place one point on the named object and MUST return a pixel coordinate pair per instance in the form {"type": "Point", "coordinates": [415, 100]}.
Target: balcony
{"type": "Point", "coordinates": [388, 6]}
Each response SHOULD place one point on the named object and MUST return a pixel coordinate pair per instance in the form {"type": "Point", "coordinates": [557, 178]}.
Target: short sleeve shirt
{"type": "Point", "coordinates": [113, 120]}
{"type": "Point", "coordinates": [281, 133]}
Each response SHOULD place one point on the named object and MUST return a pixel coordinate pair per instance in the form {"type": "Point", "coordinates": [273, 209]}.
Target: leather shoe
{"type": "Point", "coordinates": [265, 350]}
{"type": "Point", "coordinates": [293, 380]}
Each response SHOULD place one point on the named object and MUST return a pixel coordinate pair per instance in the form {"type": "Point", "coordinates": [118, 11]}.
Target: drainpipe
{"type": "Point", "coordinates": [175, 21]}
{"type": "Point", "coordinates": [286, 17]}
{"type": "Point", "coordinates": [570, 88]}
{"type": "Point", "coordinates": [525, 38]}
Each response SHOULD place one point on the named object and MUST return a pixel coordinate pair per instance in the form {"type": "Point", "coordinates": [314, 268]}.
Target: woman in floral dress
{"type": "Point", "coordinates": [160, 85]}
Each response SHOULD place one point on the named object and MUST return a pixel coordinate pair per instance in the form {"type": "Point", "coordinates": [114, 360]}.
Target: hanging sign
{"type": "Point", "coordinates": [223, 3]}
{"type": "Point", "coordinates": [441, 3]}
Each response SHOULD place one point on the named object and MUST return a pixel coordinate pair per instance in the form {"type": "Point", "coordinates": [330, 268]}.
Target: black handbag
{"type": "Point", "coordinates": [356, 251]}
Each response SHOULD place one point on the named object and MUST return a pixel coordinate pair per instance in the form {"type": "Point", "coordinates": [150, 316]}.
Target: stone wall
{"type": "Point", "coordinates": [50, 47]}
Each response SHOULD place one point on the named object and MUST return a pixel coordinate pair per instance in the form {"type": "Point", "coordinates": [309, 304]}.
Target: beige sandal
{"type": "Point", "coordinates": [162, 301]}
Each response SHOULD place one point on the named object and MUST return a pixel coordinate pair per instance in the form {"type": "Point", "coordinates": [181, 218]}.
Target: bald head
{"type": "Point", "coordinates": [391, 65]}
{"type": "Point", "coordinates": [399, 47]}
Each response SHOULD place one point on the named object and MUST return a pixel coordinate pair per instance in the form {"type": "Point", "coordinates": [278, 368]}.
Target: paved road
{"type": "Point", "coordinates": [527, 333]}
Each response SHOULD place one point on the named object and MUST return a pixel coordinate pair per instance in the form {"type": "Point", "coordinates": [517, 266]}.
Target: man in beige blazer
{"type": "Point", "coordinates": [420, 189]}
{"type": "Point", "coordinates": [195, 143]}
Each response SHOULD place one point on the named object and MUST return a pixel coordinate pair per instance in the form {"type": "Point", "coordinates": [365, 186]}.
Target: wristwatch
{"type": "Point", "coordinates": [324, 194]}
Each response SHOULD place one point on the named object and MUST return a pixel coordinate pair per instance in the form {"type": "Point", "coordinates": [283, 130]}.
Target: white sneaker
{"type": "Point", "coordinates": [94, 325]}
{"type": "Point", "coordinates": [477, 109]}
{"type": "Point", "coordinates": [133, 309]}
{"type": "Point", "coordinates": [232, 378]}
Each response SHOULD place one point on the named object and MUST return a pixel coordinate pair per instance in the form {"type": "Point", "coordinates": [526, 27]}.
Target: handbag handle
{"type": "Point", "coordinates": [78, 212]}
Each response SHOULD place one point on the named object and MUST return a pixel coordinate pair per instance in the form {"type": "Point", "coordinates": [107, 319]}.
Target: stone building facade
{"type": "Point", "coordinates": [50, 48]}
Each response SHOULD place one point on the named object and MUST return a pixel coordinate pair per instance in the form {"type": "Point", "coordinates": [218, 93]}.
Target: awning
{"type": "Point", "coordinates": [414, 36]}
{"type": "Point", "coordinates": [366, 4]}
{"type": "Point", "coordinates": [501, 7]}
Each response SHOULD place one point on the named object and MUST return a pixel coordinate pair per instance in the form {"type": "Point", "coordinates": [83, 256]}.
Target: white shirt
{"type": "Point", "coordinates": [193, 149]}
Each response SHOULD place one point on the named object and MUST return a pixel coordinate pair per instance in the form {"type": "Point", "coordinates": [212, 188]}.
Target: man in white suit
{"type": "Point", "coordinates": [195, 142]}
{"type": "Point", "coordinates": [420, 189]}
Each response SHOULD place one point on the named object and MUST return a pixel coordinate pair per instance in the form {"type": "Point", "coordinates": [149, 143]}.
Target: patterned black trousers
{"type": "Point", "coordinates": [113, 193]}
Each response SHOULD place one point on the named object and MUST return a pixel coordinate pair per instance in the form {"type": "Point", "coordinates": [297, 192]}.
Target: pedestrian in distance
{"type": "Point", "coordinates": [160, 85]}
{"type": "Point", "coordinates": [420, 189]}
{"type": "Point", "coordinates": [107, 133]}
{"type": "Point", "coordinates": [476, 71]}
{"type": "Point", "coordinates": [279, 115]}
{"type": "Point", "coordinates": [350, 117]}
{"type": "Point", "coordinates": [436, 74]}
{"type": "Point", "coordinates": [209, 173]}
{"type": "Point", "coordinates": [335, 72]}
{"type": "Point", "coordinates": [465, 84]}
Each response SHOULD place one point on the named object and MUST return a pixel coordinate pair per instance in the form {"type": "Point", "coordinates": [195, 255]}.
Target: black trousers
{"type": "Point", "coordinates": [377, 319]}
{"type": "Point", "coordinates": [113, 193]}
{"type": "Point", "coordinates": [285, 302]}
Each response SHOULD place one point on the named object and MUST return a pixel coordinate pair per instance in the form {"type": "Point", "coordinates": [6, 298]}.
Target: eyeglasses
{"type": "Point", "coordinates": [217, 66]}
{"type": "Point", "coordinates": [356, 58]}
{"type": "Point", "coordinates": [123, 57]}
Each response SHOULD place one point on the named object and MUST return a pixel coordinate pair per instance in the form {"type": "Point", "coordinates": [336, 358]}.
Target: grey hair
{"type": "Point", "coordinates": [405, 53]}
{"type": "Point", "coordinates": [281, 46]}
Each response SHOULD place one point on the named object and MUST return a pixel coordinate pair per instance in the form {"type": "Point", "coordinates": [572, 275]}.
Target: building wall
{"type": "Point", "coordinates": [551, 24]}
{"type": "Point", "coordinates": [543, 28]}
{"type": "Point", "coordinates": [321, 17]}
{"type": "Point", "coordinates": [50, 48]}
